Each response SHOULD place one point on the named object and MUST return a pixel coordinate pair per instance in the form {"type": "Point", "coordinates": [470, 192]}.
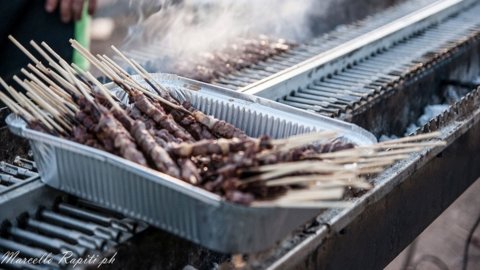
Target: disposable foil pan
{"type": "Point", "coordinates": [169, 203]}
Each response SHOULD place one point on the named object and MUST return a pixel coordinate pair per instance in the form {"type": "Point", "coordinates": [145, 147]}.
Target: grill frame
{"type": "Point", "coordinates": [418, 191]}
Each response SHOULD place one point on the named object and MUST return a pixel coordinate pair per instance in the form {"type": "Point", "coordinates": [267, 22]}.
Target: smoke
{"type": "Point", "coordinates": [184, 30]}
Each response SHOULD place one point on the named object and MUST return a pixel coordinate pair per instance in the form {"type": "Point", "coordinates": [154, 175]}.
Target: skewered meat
{"type": "Point", "coordinates": [218, 147]}
{"type": "Point", "coordinates": [189, 172]}
{"type": "Point", "coordinates": [219, 128]}
{"type": "Point", "coordinates": [188, 122]}
{"type": "Point", "coordinates": [244, 53]}
{"type": "Point", "coordinates": [160, 117]}
{"type": "Point", "coordinates": [123, 142]}
{"type": "Point", "coordinates": [160, 157]}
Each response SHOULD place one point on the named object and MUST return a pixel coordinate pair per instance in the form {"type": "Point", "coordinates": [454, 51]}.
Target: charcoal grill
{"type": "Point", "coordinates": [382, 78]}
{"type": "Point", "coordinates": [382, 85]}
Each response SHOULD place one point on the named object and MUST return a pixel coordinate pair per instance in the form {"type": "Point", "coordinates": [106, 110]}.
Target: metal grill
{"type": "Point", "coordinates": [316, 46]}
{"type": "Point", "coordinates": [58, 226]}
{"type": "Point", "coordinates": [12, 176]}
{"type": "Point", "coordinates": [149, 54]}
{"type": "Point", "coordinates": [360, 81]}
{"type": "Point", "coordinates": [355, 85]}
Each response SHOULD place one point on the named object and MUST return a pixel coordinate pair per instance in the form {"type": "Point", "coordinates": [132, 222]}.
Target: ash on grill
{"type": "Point", "coordinates": [156, 131]}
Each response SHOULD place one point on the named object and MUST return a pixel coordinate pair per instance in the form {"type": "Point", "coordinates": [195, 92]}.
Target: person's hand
{"type": "Point", "coordinates": [70, 9]}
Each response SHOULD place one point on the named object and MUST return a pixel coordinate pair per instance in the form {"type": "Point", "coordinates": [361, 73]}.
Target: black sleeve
{"type": "Point", "coordinates": [27, 20]}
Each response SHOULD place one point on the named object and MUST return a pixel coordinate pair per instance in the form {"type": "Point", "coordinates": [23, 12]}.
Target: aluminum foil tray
{"type": "Point", "coordinates": [169, 203]}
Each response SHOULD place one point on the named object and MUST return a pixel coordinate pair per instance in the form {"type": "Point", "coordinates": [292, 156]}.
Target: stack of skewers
{"type": "Point", "coordinates": [211, 66]}
{"type": "Point", "coordinates": [156, 130]}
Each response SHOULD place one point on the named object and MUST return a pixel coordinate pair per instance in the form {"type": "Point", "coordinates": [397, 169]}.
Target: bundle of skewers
{"type": "Point", "coordinates": [158, 131]}
{"type": "Point", "coordinates": [211, 66]}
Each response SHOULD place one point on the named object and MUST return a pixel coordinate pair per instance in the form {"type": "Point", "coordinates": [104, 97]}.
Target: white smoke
{"type": "Point", "coordinates": [183, 30]}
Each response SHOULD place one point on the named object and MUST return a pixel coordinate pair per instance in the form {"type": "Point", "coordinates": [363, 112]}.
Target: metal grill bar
{"type": "Point", "coordinates": [12, 176]}
{"type": "Point", "coordinates": [340, 92]}
{"type": "Point", "coordinates": [358, 48]}
{"type": "Point", "coordinates": [57, 226]}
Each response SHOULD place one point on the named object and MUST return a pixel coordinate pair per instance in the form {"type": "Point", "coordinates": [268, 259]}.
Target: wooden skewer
{"type": "Point", "coordinates": [145, 72]}
{"type": "Point", "coordinates": [121, 72]}
{"type": "Point", "coordinates": [362, 151]}
{"type": "Point", "coordinates": [92, 59]}
{"type": "Point", "coordinates": [125, 77]}
{"type": "Point", "coordinates": [303, 205]}
{"type": "Point", "coordinates": [41, 52]}
{"type": "Point", "coordinates": [371, 170]}
{"type": "Point", "coordinates": [311, 136]}
{"type": "Point", "coordinates": [31, 93]}
{"type": "Point", "coordinates": [303, 139]}
{"type": "Point", "coordinates": [28, 116]}
{"type": "Point", "coordinates": [50, 61]}
{"type": "Point", "coordinates": [111, 71]}
{"type": "Point", "coordinates": [55, 102]}
{"type": "Point", "coordinates": [391, 159]}
{"type": "Point", "coordinates": [15, 108]}
{"type": "Point", "coordinates": [414, 144]}
{"type": "Point", "coordinates": [46, 74]}
{"type": "Point", "coordinates": [48, 81]}
{"type": "Point", "coordinates": [53, 113]}
{"type": "Point", "coordinates": [354, 183]}
{"type": "Point", "coordinates": [313, 195]}
{"type": "Point", "coordinates": [295, 164]}
{"type": "Point", "coordinates": [112, 67]}
{"type": "Point", "coordinates": [87, 76]}
{"type": "Point", "coordinates": [101, 66]}
{"type": "Point", "coordinates": [104, 91]}
{"type": "Point", "coordinates": [38, 113]}
{"type": "Point", "coordinates": [28, 54]}
{"type": "Point", "coordinates": [19, 100]}
{"type": "Point", "coordinates": [23, 49]}
{"type": "Point", "coordinates": [419, 137]}
{"type": "Point", "coordinates": [64, 64]}
{"type": "Point", "coordinates": [11, 91]}
{"type": "Point", "coordinates": [321, 179]}
{"type": "Point", "coordinates": [160, 99]}
{"type": "Point", "coordinates": [115, 77]}
{"type": "Point", "coordinates": [118, 67]}
{"type": "Point", "coordinates": [6, 100]}
{"type": "Point", "coordinates": [282, 169]}
{"type": "Point", "coordinates": [375, 153]}
{"type": "Point", "coordinates": [92, 80]}
{"type": "Point", "coordinates": [65, 84]}
{"type": "Point", "coordinates": [151, 81]}
{"type": "Point", "coordinates": [139, 71]}
{"type": "Point", "coordinates": [45, 96]}
{"type": "Point", "coordinates": [383, 152]}
{"type": "Point", "coordinates": [58, 57]}
{"type": "Point", "coordinates": [314, 177]}
{"type": "Point", "coordinates": [369, 159]}
{"type": "Point", "coordinates": [30, 108]}
{"type": "Point", "coordinates": [380, 163]}
{"type": "Point", "coordinates": [84, 91]}
{"type": "Point", "coordinates": [46, 92]}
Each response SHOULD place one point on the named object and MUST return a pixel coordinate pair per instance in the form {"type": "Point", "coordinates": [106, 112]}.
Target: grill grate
{"type": "Point", "coordinates": [12, 176]}
{"type": "Point", "coordinates": [74, 228]}
{"type": "Point", "coordinates": [62, 225]}
{"type": "Point", "coordinates": [359, 82]}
